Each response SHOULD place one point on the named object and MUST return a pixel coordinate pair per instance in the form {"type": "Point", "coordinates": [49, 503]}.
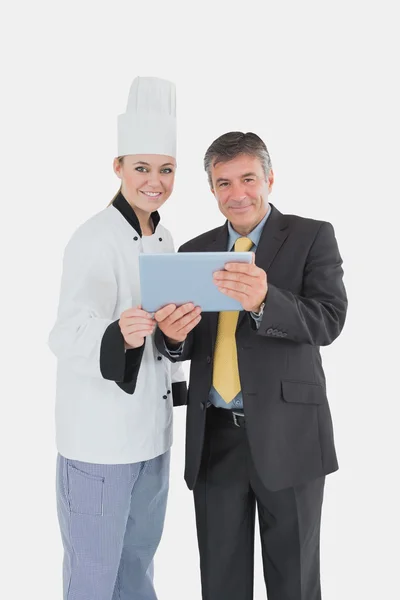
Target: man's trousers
{"type": "Point", "coordinates": [226, 494]}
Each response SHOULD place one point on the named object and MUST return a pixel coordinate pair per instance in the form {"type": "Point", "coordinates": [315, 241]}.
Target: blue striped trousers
{"type": "Point", "coordinates": [111, 519]}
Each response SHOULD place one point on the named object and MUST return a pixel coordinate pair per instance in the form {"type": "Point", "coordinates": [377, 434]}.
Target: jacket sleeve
{"type": "Point", "coordinates": [85, 336]}
{"type": "Point", "coordinates": [184, 352]}
{"type": "Point", "coordinates": [317, 315]}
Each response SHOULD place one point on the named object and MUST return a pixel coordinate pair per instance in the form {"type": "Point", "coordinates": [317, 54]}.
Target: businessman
{"type": "Point", "coordinates": [259, 430]}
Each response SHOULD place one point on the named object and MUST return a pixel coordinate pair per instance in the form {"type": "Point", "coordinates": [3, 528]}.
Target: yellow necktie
{"type": "Point", "coordinates": [226, 372]}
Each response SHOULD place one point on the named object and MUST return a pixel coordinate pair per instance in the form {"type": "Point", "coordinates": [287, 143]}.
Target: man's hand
{"type": "Point", "coordinates": [176, 323]}
{"type": "Point", "coordinates": [246, 283]}
{"type": "Point", "coordinates": [135, 325]}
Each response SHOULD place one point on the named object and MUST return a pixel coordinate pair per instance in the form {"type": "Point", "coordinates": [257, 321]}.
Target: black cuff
{"type": "Point", "coordinates": [116, 364]}
{"type": "Point", "coordinates": [132, 366]}
{"type": "Point", "coordinates": [179, 393]}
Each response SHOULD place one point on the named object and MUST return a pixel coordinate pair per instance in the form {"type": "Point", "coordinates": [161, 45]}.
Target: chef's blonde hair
{"type": "Point", "coordinates": [120, 160]}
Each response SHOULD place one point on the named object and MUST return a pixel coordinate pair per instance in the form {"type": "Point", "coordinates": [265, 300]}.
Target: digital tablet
{"type": "Point", "coordinates": [178, 278]}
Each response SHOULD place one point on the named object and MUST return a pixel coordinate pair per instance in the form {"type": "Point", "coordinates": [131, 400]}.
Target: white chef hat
{"type": "Point", "coordinates": [149, 124]}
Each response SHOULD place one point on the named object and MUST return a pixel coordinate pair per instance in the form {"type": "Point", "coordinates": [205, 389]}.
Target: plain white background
{"type": "Point", "coordinates": [318, 81]}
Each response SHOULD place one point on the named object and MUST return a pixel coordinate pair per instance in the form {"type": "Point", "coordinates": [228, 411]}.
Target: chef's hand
{"type": "Point", "coordinates": [135, 325]}
{"type": "Point", "coordinates": [176, 323]}
{"type": "Point", "coordinates": [243, 282]}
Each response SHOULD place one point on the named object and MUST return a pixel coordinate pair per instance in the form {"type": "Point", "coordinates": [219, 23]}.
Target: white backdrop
{"type": "Point", "coordinates": [317, 81]}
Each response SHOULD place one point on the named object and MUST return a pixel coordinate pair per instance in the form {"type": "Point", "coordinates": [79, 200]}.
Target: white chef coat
{"type": "Point", "coordinates": [112, 406]}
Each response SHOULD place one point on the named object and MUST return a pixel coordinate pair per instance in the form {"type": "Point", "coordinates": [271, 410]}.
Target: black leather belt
{"type": "Point", "coordinates": [227, 415]}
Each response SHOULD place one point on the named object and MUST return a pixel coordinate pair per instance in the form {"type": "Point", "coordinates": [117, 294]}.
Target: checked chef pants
{"type": "Point", "coordinates": [111, 519]}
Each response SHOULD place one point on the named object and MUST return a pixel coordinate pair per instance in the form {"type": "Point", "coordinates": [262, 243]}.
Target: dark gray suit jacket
{"type": "Point", "coordinates": [288, 420]}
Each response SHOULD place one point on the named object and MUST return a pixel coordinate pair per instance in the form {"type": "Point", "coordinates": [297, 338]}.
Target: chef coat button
{"type": "Point", "coordinates": [136, 238]}
{"type": "Point", "coordinates": [165, 397]}
{"type": "Point", "coordinates": [160, 239]}
{"type": "Point", "coordinates": [208, 360]}
{"type": "Point", "coordinates": [159, 357]}
{"type": "Point", "coordinates": [168, 391]}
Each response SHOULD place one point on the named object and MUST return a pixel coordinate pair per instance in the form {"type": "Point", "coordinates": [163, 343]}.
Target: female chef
{"type": "Point", "coordinates": [115, 392]}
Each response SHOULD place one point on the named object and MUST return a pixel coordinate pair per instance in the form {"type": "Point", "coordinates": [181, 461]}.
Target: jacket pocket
{"type": "Point", "coordinates": [303, 392]}
{"type": "Point", "coordinates": [85, 492]}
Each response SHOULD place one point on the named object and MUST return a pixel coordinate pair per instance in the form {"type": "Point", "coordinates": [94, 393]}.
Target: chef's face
{"type": "Point", "coordinates": [241, 189]}
{"type": "Point", "coordinates": [147, 179]}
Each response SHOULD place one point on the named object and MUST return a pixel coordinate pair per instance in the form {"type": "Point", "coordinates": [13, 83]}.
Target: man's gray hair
{"type": "Point", "coordinates": [233, 144]}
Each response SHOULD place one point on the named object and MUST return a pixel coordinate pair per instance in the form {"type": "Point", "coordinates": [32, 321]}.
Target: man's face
{"type": "Point", "coordinates": [241, 190]}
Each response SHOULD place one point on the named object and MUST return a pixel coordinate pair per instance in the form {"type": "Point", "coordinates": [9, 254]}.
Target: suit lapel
{"type": "Point", "coordinates": [272, 237]}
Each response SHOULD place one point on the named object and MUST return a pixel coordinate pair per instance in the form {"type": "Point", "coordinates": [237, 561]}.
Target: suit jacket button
{"type": "Point", "coordinates": [208, 359]}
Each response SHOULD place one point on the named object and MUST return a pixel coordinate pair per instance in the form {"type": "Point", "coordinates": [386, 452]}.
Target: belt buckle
{"type": "Point", "coordinates": [235, 420]}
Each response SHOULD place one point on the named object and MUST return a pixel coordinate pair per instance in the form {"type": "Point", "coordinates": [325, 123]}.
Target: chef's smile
{"type": "Point", "coordinates": [151, 194]}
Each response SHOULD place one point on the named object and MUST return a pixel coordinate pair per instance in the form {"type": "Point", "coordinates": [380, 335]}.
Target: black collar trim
{"type": "Point", "coordinates": [126, 210]}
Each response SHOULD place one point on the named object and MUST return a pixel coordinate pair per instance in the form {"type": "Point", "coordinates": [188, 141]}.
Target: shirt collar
{"type": "Point", "coordinates": [126, 210]}
{"type": "Point", "coordinates": [254, 235]}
